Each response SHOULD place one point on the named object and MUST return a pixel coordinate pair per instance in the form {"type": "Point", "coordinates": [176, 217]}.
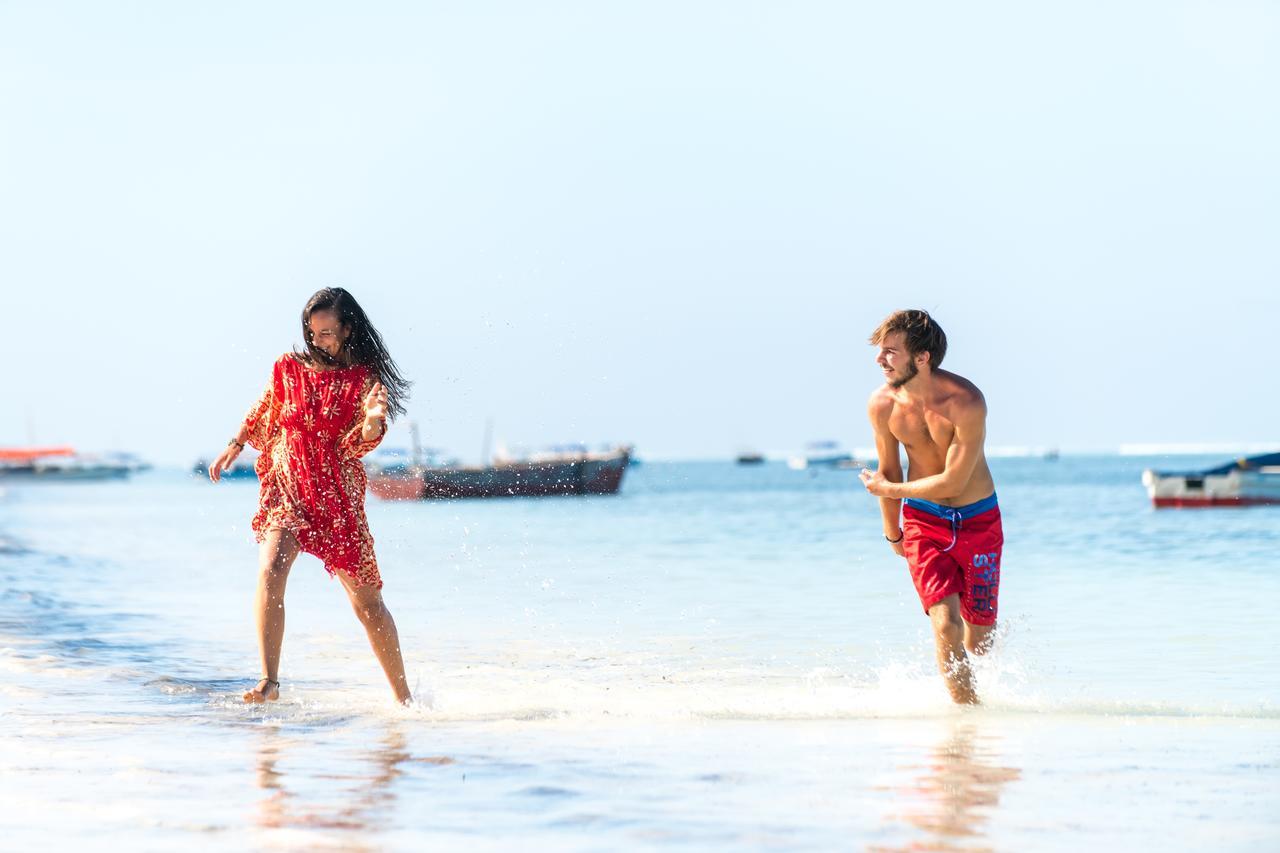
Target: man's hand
{"type": "Point", "coordinates": [876, 483]}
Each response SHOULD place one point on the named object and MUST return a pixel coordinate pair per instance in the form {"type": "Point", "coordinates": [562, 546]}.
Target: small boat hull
{"type": "Point", "coordinates": [397, 487]}
{"type": "Point", "coordinates": [1191, 503]}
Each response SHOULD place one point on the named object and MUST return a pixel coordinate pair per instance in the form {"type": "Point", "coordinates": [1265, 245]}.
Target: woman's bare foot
{"type": "Point", "coordinates": [268, 690]}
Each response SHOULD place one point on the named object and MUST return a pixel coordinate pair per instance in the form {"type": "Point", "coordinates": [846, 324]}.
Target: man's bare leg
{"type": "Point", "coordinates": [275, 557]}
{"type": "Point", "coordinates": [978, 638]}
{"type": "Point", "coordinates": [953, 663]}
{"type": "Point", "coordinates": [381, 628]}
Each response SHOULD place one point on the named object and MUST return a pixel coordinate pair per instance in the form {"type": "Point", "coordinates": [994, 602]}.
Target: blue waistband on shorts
{"type": "Point", "coordinates": [953, 512]}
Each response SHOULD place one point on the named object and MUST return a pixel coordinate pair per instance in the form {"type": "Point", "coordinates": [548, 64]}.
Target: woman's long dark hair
{"type": "Point", "coordinates": [363, 346]}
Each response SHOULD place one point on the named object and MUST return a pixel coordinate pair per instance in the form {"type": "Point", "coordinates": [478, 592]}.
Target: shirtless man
{"type": "Point", "coordinates": [944, 518]}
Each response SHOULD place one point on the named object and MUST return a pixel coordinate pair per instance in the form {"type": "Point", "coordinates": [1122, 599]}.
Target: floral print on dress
{"type": "Point", "coordinates": [308, 427]}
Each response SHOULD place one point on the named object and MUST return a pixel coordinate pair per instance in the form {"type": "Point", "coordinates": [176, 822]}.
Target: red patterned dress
{"type": "Point", "coordinates": [307, 425]}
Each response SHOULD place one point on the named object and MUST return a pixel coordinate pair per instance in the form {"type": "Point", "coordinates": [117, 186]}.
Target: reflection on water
{"type": "Point", "coordinates": [954, 794]}
{"type": "Point", "coordinates": [301, 790]}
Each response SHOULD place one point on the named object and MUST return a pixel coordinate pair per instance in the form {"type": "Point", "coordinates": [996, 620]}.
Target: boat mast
{"type": "Point", "coordinates": [488, 440]}
{"type": "Point", "coordinates": [415, 444]}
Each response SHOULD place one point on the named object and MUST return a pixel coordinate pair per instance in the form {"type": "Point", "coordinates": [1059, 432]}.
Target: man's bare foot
{"type": "Point", "coordinates": [268, 690]}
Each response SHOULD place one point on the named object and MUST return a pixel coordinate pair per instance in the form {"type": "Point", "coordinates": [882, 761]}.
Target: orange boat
{"type": "Point", "coordinates": [29, 454]}
{"type": "Point", "coordinates": [64, 463]}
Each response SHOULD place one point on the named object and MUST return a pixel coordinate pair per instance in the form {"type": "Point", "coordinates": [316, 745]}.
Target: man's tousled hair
{"type": "Point", "coordinates": [922, 333]}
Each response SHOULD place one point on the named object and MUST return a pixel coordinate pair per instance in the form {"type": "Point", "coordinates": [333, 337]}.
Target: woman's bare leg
{"type": "Point", "coordinates": [381, 628]}
{"type": "Point", "coordinates": [275, 557]}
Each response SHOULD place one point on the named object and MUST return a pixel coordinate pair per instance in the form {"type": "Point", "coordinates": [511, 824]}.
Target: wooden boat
{"type": "Point", "coordinates": [1245, 482]}
{"type": "Point", "coordinates": [562, 473]}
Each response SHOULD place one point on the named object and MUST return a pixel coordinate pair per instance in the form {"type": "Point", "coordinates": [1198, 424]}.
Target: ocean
{"type": "Point", "coordinates": [720, 657]}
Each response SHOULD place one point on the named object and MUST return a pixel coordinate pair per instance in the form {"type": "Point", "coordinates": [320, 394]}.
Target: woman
{"type": "Point", "coordinates": [324, 409]}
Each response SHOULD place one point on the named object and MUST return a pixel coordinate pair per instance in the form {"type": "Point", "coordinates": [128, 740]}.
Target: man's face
{"type": "Point", "coordinates": [898, 365]}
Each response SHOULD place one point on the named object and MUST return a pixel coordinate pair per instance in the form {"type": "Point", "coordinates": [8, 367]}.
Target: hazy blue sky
{"type": "Point", "coordinates": [670, 223]}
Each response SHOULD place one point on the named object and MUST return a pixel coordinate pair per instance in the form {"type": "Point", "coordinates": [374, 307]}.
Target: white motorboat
{"type": "Point", "coordinates": [1244, 482]}
{"type": "Point", "coordinates": [822, 454]}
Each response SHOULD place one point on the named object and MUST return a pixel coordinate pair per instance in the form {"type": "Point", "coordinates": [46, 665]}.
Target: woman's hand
{"type": "Point", "coordinates": [375, 404]}
{"type": "Point", "coordinates": [224, 460]}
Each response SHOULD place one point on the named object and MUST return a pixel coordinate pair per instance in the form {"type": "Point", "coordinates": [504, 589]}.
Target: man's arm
{"type": "Point", "coordinates": [962, 458]}
{"type": "Point", "coordinates": [890, 463]}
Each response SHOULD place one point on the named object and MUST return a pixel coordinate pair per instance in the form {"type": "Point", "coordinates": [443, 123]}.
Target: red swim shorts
{"type": "Point", "coordinates": [955, 550]}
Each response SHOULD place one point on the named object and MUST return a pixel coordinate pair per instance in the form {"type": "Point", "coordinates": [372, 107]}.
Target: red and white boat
{"type": "Point", "coordinates": [43, 464]}
{"type": "Point", "coordinates": [1245, 482]}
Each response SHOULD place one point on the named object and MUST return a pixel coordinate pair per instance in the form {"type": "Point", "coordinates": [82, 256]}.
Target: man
{"type": "Point", "coordinates": [943, 518]}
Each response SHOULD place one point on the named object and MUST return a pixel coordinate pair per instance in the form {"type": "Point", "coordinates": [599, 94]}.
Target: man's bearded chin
{"type": "Point", "coordinates": [913, 370]}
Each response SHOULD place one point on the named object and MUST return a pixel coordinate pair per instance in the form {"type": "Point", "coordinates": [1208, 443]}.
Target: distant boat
{"type": "Point", "coordinates": [750, 457]}
{"type": "Point", "coordinates": [562, 471]}
{"type": "Point", "coordinates": [1250, 481]}
{"type": "Point", "coordinates": [64, 463]}
{"type": "Point", "coordinates": [822, 454]}
{"type": "Point", "coordinates": [241, 469]}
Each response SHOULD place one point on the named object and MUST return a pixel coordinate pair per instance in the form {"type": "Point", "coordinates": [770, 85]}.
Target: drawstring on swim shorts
{"type": "Point", "coordinates": [954, 514]}
{"type": "Point", "coordinates": [956, 519]}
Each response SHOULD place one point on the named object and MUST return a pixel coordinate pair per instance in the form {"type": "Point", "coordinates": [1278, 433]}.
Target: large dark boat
{"type": "Point", "coordinates": [565, 472]}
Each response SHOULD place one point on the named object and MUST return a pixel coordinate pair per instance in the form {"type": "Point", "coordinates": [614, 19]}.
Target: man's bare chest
{"type": "Point", "coordinates": [921, 429]}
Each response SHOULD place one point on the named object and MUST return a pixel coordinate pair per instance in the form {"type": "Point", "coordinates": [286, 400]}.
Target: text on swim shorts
{"type": "Point", "coordinates": [988, 566]}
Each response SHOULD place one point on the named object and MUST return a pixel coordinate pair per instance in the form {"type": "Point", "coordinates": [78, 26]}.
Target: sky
{"type": "Point", "coordinates": [667, 223]}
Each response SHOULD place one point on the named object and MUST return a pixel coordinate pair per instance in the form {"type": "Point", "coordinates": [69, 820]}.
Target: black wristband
{"type": "Point", "coordinates": [895, 541]}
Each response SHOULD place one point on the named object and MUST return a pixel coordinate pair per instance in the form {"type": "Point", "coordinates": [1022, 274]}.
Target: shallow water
{"type": "Point", "coordinates": [720, 656]}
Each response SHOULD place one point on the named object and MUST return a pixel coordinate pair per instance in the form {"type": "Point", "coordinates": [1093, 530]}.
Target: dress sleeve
{"type": "Point", "coordinates": [263, 419]}
{"type": "Point", "coordinates": [352, 444]}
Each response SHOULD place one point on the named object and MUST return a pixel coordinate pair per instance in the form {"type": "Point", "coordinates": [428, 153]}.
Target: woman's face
{"type": "Point", "coordinates": [327, 331]}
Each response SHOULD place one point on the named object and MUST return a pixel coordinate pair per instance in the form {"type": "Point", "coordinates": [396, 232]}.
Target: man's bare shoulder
{"type": "Point", "coordinates": [880, 404]}
{"type": "Point", "coordinates": [959, 394]}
